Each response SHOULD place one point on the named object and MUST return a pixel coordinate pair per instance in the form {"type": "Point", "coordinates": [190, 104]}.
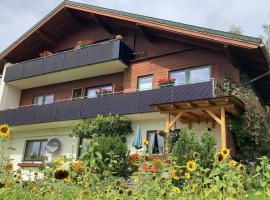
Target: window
{"type": "Point", "coordinates": [156, 142]}
{"type": "Point", "coordinates": [77, 93]}
{"type": "Point", "coordinates": [92, 92]}
{"type": "Point", "coordinates": [42, 100]}
{"type": "Point", "coordinates": [145, 82]}
{"type": "Point", "coordinates": [35, 150]}
{"type": "Point", "coordinates": [193, 75]}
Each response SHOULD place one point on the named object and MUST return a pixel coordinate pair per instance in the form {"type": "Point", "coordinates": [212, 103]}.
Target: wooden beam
{"type": "Point", "coordinates": [46, 38]}
{"type": "Point", "coordinates": [168, 138]}
{"type": "Point", "coordinates": [213, 116]}
{"type": "Point", "coordinates": [223, 128]}
{"type": "Point", "coordinates": [175, 119]}
{"type": "Point", "coordinates": [144, 33]}
{"type": "Point", "coordinates": [199, 108]}
{"type": "Point", "coordinates": [102, 23]}
{"type": "Point", "coordinates": [77, 19]}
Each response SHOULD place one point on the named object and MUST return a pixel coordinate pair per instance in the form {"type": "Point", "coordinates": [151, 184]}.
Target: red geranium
{"type": "Point", "coordinates": [166, 81]}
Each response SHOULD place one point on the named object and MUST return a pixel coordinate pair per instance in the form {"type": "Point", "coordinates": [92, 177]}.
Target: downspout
{"type": "Point", "coordinates": [267, 60]}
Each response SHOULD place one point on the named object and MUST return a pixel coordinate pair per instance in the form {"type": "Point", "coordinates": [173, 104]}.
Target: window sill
{"type": "Point", "coordinates": [29, 164]}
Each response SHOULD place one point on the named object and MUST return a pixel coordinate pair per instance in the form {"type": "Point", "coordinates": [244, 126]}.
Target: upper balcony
{"type": "Point", "coordinates": [98, 59]}
{"type": "Point", "coordinates": [118, 103]}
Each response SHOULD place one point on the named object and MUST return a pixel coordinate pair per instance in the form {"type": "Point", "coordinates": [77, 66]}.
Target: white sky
{"type": "Point", "coordinates": [17, 16]}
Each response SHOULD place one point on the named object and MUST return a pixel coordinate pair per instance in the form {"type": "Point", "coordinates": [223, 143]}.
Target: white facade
{"type": "Point", "coordinates": [69, 146]}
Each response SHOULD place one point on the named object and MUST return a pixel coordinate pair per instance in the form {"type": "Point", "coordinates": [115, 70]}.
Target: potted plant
{"type": "Point", "coordinates": [103, 91]}
{"type": "Point", "coordinates": [164, 82]}
{"type": "Point", "coordinates": [83, 44]}
{"type": "Point", "coordinates": [45, 53]}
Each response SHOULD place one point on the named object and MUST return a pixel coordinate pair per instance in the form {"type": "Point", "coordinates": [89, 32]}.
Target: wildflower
{"type": "Point", "coordinates": [241, 168]}
{"type": "Point", "coordinates": [176, 177]}
{"type": "Point", "coordinates": [173, 173]}
{"type": "Point", "coordinates": [187, 175]}
{"type": "Point", "coordinates": [4, 131]}
{"type": "Point", "coordinates": [145, 142]}
{"type": "Point", "coordinates": [129, 192]}
{"type": "Point", "coordinates": [8, 167]}
{"type": "Point", "coordinates": [59, 161]}
{"type": "Point", "coordinates": [118, 182]}
{"type": "Point", "coordinates": [61, 173]}
{"type": "Point", "coordinates": [225, 152]}
{"type": "Point", "coordinates": [219, 157]}
{"type": "Point", "coordinates": [67, 180]}
{"type": "Point", "coordinates": [156, 163]}
{"type": "Point", "coordinates": [36, 174]}
{"type": "Point", "coordinates": [191, 165]}
{"type": "Point", "coordinates": [176, 190]}
{"type": "Point", "coordinates": [232, 164]}
{"type": "Point", "coordinates": [18, 171]}
{"type": "Point", "coordinates": [8, 183]}
{"type": "Point", "coordinates": [77, 165]}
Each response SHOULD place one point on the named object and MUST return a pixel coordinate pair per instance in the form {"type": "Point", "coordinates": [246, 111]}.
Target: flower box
{"type": "Point", "coordinates": [45, 53]}
{"type": "Point", "coordinates": [103, 91]}
{"type": "Point", "coordinates": [165, 82]}
{"type": "Point", "coordinates": [83, 44]}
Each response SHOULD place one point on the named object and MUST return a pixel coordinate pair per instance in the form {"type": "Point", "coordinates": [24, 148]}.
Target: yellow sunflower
{"type": "Point", "coordinates": [232, 164]}
{"type": "Point", "coordinates": [61, 173]}
{"type": "Point", "coordinates": [225, 152]}
{"type": "Point", "coordinates": [219, 157]}
{"type": "Point", "coordinates": [191, 165]}
{"type": "Point", "coordinates": [145, 142]}
{"type": "Point", "coordinates": [59, 161]}
{"type": "Point", "coordinates": [176, 190]}
{"type": "Point", "coordinates": [67, 180]}
{"type": "Point", "coordinates": [187, 175]}
{"type": "Point", "coordinates": [9, 167]}
{"type": "Point", "coordinates": [4, 131]}
{"type": "Point", "coordinates": [241, 167]}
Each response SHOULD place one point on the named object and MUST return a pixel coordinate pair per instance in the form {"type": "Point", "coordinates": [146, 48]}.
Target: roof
{"type": "Point", "coordinates": [139, 17]}
{"type": "Point", "coordinates": [172, 23]}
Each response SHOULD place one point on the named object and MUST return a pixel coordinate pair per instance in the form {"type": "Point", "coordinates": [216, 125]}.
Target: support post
{"type": "Point", "coordinates": [223, 128]}
{"type": "Point", "coordinates": [168, 138]}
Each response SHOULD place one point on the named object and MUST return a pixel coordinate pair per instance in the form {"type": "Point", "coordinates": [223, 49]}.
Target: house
{"type": "Point", "coordinates": [52, 74]}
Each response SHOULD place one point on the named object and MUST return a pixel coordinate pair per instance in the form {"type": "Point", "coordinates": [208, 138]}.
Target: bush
{"type": "Point", "coordinates": [103, 125]}
{"type": "Point", "coordinates": [188, 147]}
{"type": "Point", "coordinates": [114, 154]}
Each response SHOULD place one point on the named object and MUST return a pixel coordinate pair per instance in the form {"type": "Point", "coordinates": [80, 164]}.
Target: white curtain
{"type": "Point", "coordinates": [161, 143]}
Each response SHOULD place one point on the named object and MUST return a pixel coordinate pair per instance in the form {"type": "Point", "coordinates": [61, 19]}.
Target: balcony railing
{"type": "Point", "coordinates": [94, 54]}
{"type": "Point", "coordinates": [119, 103]}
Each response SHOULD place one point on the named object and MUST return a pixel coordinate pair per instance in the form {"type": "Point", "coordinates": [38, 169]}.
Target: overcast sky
{"type": "Point", "coordinates": [17, 16]}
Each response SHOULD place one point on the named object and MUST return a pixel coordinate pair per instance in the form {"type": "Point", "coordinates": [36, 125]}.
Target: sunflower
{"type": "Point", "coordinates": [241, 168]}
{"type": "Point", "coordinates": [61, 173]}
{"type": "Point", "coordinates": [191, 165]}
{"type": "Point", "coordinates": [232, 164]}
{"type": "Point", "coordinates": [219, 157]}
{"type": "Point", "coordinates": [225, 152]}
{"type": "Point", "coordinates": [187, 175]}
{"type": "Point", "coordinates": [176, 190]}
{"type": "Point", "coordinates": [78, 165]}
{"type": "Point", "coordinates": [59, 161]}
{"type": "Point", "coordinates": [4, 131]}
{"type": "Point", "coordinates": [9, 167]}
{"type": "Point", "coordinates": [67, 180]}
{"type": "Point", "coordinates": [145, 142]}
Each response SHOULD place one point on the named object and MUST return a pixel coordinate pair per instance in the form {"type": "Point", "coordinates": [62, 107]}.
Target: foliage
{"type": "Point", "coordinates": [113, 154]}
{"type": "Point", "coordinates": [250, 126]}
{"type": "Point", "coordinates": [188, 147]}
{"type": "Point", "coordinates": [111, 125]}
{"type": "Point", "coordinates": [236, 30]}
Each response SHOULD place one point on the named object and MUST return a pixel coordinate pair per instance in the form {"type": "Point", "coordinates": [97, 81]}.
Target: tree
{"type": "Point", "coordinates": [266, 36]}
{"type": "Point", "coordinates": [236, 29]}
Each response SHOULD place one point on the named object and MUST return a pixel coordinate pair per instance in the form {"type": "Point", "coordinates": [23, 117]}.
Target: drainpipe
{"type": "Point", "coordinates": [267, 59]}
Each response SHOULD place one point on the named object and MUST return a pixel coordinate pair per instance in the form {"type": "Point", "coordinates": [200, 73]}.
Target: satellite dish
{"type": "Point", "coordinates": [53, 145]}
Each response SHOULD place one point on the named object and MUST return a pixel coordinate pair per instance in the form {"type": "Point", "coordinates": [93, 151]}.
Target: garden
{"type": "Point", "coordinates": [106, 170]}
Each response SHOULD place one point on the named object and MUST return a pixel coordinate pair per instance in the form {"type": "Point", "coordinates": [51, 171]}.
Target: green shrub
{"type": "Point", "coordinates": [110, 125]}
{"type": "Point", "coordinates": [188, 147]}
{"type": "Point", "coordinates": [114, 153]}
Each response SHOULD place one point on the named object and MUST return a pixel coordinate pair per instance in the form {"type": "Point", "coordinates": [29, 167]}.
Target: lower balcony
{"type": "Point", "coordinates": [117, 103]}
